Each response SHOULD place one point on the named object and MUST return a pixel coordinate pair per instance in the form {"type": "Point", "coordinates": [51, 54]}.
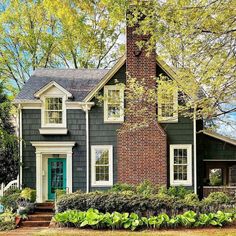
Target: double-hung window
{"type": "Point", "coordinates": [53, 110]}
{"type": "Point", "coordinates": [102, 165]}
{"type": "Point", "coordinates": [167, 103]}
{"type": "Point", "coordinates": [181, 164]}
{"type": "Point", "coordinates": [113, 104]}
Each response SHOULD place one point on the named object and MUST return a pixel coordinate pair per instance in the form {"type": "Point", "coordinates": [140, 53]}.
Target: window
{"type": "Point", "coordinates": [167, 103]}
{"type": "Point", "coordinates": [54, 112]}
{"type": "Point", "coordinates": [113, 104]}
{"type": "Point", "coordinates": [181, 164]}
{"type": "Point", "coordinates": [102, 166]}
{"type": "Point", "coordinates": [215, 176]}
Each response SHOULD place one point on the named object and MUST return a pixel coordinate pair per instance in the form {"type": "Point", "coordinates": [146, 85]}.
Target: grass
{"type": "Point", "coordinates": [186, 232]}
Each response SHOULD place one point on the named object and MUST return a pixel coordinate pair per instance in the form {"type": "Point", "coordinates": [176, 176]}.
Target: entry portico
{"type": "Point", "coordinates": [53, 168]}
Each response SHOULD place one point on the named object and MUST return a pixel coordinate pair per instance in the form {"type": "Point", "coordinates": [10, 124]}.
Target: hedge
{"type": "Point", "coordinates": [142, 205]}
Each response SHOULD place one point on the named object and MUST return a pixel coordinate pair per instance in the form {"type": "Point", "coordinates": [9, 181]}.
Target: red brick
{"type": "Point", "coordinates": [142, 152]}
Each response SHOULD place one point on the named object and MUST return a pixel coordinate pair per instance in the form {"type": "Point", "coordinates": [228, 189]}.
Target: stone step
{"type": "Point", "coordinates": [41, 217]}
{"type": "Point", "coordinates": [35, 223]}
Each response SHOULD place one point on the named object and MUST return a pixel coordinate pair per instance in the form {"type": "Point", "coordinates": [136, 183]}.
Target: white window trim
{"type": "Point", "coordinates": [95, 183]}
{"type": "Point", "coordinates": [63, 124]}
{"type": "Point", "coordinates": [114, 119]}
{"type": "Point", "coordinates": [174, 118]}
{"type": "Point", "coordinates": [187, 182]}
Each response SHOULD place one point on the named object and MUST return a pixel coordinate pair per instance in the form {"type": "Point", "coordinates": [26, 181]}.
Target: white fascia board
{"type": "Point", "coordinates": [49, 85]}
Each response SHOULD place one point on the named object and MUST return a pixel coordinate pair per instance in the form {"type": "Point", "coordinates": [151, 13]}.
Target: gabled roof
{"type": "Point", "coordinates": [48, 86]}
{"type": "Point", "coordinates": [219, 136]}
{"type": "Point", "coordinates": [106, 78]}
{"type": "Point", "coordinates": [78, 82]}
{"type": "Point", "coordinates": [117, 66]}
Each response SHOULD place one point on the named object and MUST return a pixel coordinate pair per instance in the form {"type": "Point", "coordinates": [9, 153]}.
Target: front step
{"type": "Point", "coordinates": [35, 223]}
{"type": "Point", "coordinates": [44, 209]}
{"type": "Point", "coordinates": [42, 216]}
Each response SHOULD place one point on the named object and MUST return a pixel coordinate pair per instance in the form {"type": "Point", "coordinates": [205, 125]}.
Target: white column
{"type": "Point", "coordinates": [69, 172]}
{"type": "Point", "coordinates": [39, 179]}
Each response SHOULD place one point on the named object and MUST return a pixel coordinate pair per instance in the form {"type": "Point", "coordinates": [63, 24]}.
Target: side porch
{"type": "Point", "coordinates": [216, 163]}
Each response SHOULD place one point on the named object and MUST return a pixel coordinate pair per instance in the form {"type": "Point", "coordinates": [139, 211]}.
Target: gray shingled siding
{"type": "Point", "coordinates": [105, 134]}
{"type": "Point", "coordinates": [77, 133]}
{"type": "Point", "coordinates": [179, 133]}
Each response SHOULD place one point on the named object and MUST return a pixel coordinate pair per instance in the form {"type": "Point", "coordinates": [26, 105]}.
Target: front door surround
{"type": "Point", "coordinates": [44, 149]}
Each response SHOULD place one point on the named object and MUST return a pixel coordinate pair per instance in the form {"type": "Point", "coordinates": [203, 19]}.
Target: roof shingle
{"type": "Point", "coordinates": [79, 82]}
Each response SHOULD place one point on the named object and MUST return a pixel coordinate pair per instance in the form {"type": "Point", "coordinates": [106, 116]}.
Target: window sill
{"type": "Point", "coordinates": [101, 185]}
{"type": "Point", "coordinates": [53, 131]}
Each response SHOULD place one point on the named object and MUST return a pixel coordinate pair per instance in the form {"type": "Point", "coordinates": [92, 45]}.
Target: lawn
{"type": "Point", "coordinates": [202, 232]}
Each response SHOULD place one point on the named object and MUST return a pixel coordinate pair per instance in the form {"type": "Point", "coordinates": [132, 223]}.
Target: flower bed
{"type": "Point", "coordinates": [97, 220]}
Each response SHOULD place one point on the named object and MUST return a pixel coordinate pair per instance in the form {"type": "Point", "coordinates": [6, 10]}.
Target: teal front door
{"type": "Point", "coordinates": [56, 176]}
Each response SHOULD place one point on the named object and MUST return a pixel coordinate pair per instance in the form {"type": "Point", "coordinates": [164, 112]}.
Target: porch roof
{"type": "Point", "coordinates": [220, 137]}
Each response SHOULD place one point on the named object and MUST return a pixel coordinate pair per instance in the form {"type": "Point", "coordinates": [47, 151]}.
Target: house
{"type": "Point", "coordinates": [69, 141]}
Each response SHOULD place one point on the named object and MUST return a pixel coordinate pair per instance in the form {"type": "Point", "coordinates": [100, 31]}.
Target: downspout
{"type": "Point", "coordinates": [195, 148]}
{"type": "Point", "coordinates": [20, 139]}
{"type": "Point", "coordinates": [87, 148]}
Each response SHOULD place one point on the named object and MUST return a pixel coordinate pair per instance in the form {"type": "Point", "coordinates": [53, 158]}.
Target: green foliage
{"type": "Point", "coordinates": [96, 220]}
{"type": "Point", "coordinates": [129, 201]}
{"type": "Point", "coordinates": [217, 198]}
{"type": "Point", "coordinates": [9, 200]}
{"type": "Point", "coordinates": [120, 187]}
{"type": "Point", "coordinates": [9, 159]}
{"type": "Point", "coordinates": [28, 194]}
{"type": "Point", "coordinates": [59, 193]}
{"type": "Point", "coordinates": [7, 221]}
{"type": "Point", "coordinates": [48, 34]}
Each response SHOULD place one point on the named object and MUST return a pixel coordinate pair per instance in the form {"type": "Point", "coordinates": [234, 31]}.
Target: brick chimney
{"type": "Point", "coordinates": [142, 153]}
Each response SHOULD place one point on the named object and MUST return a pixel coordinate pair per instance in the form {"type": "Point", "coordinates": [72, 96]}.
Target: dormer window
{"type": "Point", "coordinates": [53, 113]}
{"type": "Point", "coordinates": [113, 104]}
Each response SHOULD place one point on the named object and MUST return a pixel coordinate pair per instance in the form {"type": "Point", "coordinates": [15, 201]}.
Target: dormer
{"type": "Point", "coordinates": [53, 112]}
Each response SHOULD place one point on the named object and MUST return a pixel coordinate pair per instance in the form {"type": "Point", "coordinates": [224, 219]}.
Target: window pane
{"type": "Point", "coordinates": [180, 164]}
{"type": "Point", "coordinates": [102, 157]}
{"type": "Point", "coordinates": [113, 111]}
{"type": "Point", "coordinates": [102, 173]}
{"type": "Point", "coordinates": [113, 96]}
{"type": "Point", "coordinates": [215, 176]}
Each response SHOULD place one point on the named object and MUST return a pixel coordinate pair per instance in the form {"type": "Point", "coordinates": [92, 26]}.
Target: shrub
{"type": "Point", "coordinates": [59, 193]}
{"type": "Point", "coordinates": [217, 198]}
{"type": "Point", "coordinates": [94, 219]}
{"type": "Point", "coordinates": [7, 221]}
{"type": "Point", "coordinates": [128, 201]}
{"type": "Point", "coordinates": [9, 201]}
{"type": "Point", "coordinates": [28, 194]}
{"type": "Point", "coordinates": [119, 187]}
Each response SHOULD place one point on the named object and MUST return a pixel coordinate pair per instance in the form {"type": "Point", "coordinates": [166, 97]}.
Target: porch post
{"type": "Point", "coordinates": [39, 181]}
{"type": "Point", "coordinates": [69, 171]}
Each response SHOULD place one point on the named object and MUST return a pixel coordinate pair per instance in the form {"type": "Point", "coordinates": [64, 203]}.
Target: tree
{"type": "Point", "coordinates": [9, 159]}
{"type": "Point", "coordinates": [197, 39]}
{"type": "Point", "coordinates": [67, 33]}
